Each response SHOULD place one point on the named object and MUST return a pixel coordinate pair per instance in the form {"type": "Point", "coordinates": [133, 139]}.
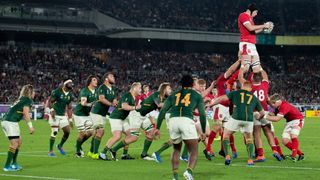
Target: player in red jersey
{"type": "Point", "coordinates": [146, 93]}
{"type": "Point", "coordinates": [221, 111]}
{"type": "Point", "coordinates": [260, 88]}
{"type": "Point", "coordinates": [294, 124]}
{"type": "Point", "coordinates": [247, 49]}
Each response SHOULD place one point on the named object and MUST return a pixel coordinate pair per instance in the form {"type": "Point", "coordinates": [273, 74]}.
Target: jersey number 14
{"type": "Point", "coordinates": [185, 100]}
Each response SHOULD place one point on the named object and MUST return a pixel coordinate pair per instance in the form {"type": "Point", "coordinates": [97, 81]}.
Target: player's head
{"type": "Point", "coordinates": [136, 88]}
{"type": "Point", "coordinates": [236, 85]}
{"type": "Point", "coordinates": [195, 84]}
{"type": "Point", "coordinates": [257, 77]}
{"type": "Point", "coordinates": [246, 86]}
{"type": "Point", "coordinates": [68, 85]}
{"type": "Point", "coordinates": [165, 89]}
{"type": "Point", "coordinates": [214, 91]}
{"type": "Point", "coordinates": [253, 9]}
{"type": "Point", "coordinates": [109, 78]}
{"type": "Point", "coordinates": [146, 88]}
{"type": "Point", "coordinates": [201, 85]}
{"type": "Point", "coordinates": [275, 100]}
{"type": "Point", "coordinates": [186, 81]}
{"type": "Point", "coordinates": [92, 80]}
{"type": "Point", "coordinates": [27, 91]}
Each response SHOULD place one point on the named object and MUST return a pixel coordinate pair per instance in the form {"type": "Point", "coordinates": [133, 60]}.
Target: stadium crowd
{"type": "Point", "coordinates": [296, 79]}
{"type": "Point", "coordinates": [213, 15]}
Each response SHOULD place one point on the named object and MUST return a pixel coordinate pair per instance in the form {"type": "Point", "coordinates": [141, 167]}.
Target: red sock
{"type": "Point", "coordinates": [244, 141]}
{"type": "Point", "coordinates": [289, 146]}
{"type": "Point", "coordinates": [276, 141]}
{"type": "Point", "coordinates": [295, 145]}
{"type": "Point", "coordinates": [260, 151]}
{"type": "Point", "coordinates": [210, 141]}
{"type": "Point", "coordinates": [274, 149]}
{"type": "Point", "coordinates": [233, 148]}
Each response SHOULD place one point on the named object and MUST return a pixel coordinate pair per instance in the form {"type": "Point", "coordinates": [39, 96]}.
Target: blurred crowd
{"type": "Point", "coordinates": [289, 17]}
{"type": "Point", "coordinates": [296, 78]}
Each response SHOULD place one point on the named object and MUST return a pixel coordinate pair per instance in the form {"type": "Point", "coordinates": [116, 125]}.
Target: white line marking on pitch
{"type": "Point", "coordinates": [36, 177]}
{"type": "Point", "coordinates": [273, 167]}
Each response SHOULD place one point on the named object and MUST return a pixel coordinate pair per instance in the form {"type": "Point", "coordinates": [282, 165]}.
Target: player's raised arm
{"type": "Point", "coordinates": [232, 69]}
{"type": "Point", "coordinates": [209, 89]}
{"type": "Point", "coordinates": [264, 76]}
{"type": "Point", "coordinates": [219, 100]}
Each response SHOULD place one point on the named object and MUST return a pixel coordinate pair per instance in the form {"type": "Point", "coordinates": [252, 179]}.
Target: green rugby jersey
{"type": "Point", "coordinates": [150, 103]}
{"type": "Point", "coordinates": [91, 96]}
{"type": "Point", "coordinates": [244, 103]}
{"type": "Point", "coordinates": [182, 103]}
{"type": "Point", "coordinates": [15, 113]}
{"type": "Point", "coordinates": [120, 113]}
{"type": "Point", "coordinates": [62, 100]}
{"type": "Point", "coordinates": [109, 94]}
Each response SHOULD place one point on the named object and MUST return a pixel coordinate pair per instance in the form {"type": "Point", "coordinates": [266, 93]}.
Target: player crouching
{"type": "Point", "coordinates": [294, 124]}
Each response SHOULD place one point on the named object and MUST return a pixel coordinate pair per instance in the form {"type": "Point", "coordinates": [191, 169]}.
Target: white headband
{"type": "Point", "coordinates": [67, 81]}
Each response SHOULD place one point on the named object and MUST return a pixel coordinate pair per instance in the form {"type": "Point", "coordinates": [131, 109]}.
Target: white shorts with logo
{"type": "Point", "coordinates": [10, 129]}
{"type": "Point", "coordinates": [182, 128]}
{"type": "Point", "coordinates": [237, 125]}
{"type": "Point", "coordinates": [221, 114]}
{"type": "Point", "coordinates": [251, 48]}
{"type": "Point", "coordinates": [119, 125]}
{"type": "Point", "coordinates": [83, 123]}
{"type": "Point", "coordinates": [58, 121]}
{"type": "Point", "coordinates": [98, 120]}
{"type": "Point", "coordinates": [137, 121]}
{"type": "Point", "coordinates": [291, 128]}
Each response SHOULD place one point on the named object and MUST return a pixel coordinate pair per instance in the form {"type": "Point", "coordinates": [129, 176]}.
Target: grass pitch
{"type": "Point", "coordinates": [37, 165]}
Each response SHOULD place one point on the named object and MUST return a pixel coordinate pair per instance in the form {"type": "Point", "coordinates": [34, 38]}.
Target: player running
{"type": "Point", "coordinates": [293, 126]}
{"type": "Point", "coordinates": [107, 95]}
{"type": "Point", "coordinates": [221, 111]}
{"type": "Point", "coordinates": [81, 112]}
{"type": "Point", "coordinates": [140, 119]}
{"type": "Point", "coordinates": [119, 123]}
{"type": "Point", "coordinates": [10, 125]}
{"type": "Point", "coordinates": [247, 49]}
{"type": "Point", "coordinates": [181, 124]}
{"type": "Point", "coordinates": [260, 88]}
{"type": "Point", "coordinates": [59, 104]}
{"type": "Point", "coordinates": [244, 103]}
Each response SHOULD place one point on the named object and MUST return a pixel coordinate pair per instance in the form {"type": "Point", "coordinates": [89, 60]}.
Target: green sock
{"type": "Point", "coordinates": [226, 146]}
{"type": "Point", "coordinates": [11, 153]}
{"type": "Point", "coordinates": [78, 145]}
{"type": "Point", "coordinates": [175, 174]}
{"type": "Point", "coordinates": [250, 148]}
{"type": "Point", "coordinates": [118, 146]}
{"type": "Point", "coordinates": [164, 146]}
{"type": "Point", "coordinates": [85, 138]}
{"type": "Point", "coordinates": [125, 150]}
{"type": "Point", "coordinates": [63, 140]}
{"type": "Point", "coordinates": [146, 147]}
{"type": "Point", "coordinates": [14, 160]}
{"type": "Point", "coordinates": [189, 170]}
{"type": "Point", "coordinates": [105, 150]}
{"type": "Point", "coordinates": [96, 144]}
{"type": "Point", "coordinates": [184, 151]}
{"type": "Point", "coordinates": [91, 147]}
{"type": "Point", "coordinates": [52, 139]}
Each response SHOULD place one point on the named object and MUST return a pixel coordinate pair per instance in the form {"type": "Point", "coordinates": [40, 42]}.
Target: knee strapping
{"type": "Point", "coordinates": [54, 132]}
{"type": "Point", "coordinates": [135, 133]}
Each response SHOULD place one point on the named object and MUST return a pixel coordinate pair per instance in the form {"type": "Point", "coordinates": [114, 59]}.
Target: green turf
{"type": "Point", "coordinates": [34, 159]}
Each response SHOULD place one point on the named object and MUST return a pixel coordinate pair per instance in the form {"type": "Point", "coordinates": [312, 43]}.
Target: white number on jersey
{"type": "Point", "coordinates": [260, 95]}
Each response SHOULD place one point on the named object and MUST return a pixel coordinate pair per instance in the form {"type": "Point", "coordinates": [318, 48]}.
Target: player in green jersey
{"type": "Point", "coordinates": [244, 103]}
{"type": "Point", "coordinates": [118, 120]}
{"type": "Point", "coordinates": [140, 119]}
{"type": "Point", "coordinates": [182, 104]}
{"type": "Point", "coordinates": [59, 104]}
{"type": "Point", "coordinates": [81, 113]}
{"type": "Point", "coordinates": [10, 125]}
{"type": "Point", "coordinates": [107, 97]}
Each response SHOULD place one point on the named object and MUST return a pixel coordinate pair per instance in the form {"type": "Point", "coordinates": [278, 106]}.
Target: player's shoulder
{"type": "Point", "coordinates": [243, 15]}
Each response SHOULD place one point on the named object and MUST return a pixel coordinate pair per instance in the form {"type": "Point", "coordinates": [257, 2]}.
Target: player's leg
{"type": "Point", "coordinates": [258, 142]}
{"type": "Point", "coordinates": [226, 145]}
{"type": "Point", "coordinates": [164, 146]}
{"type": "Point", "coordinates": [244, 56]}
{"type": "Point", "coordinates": [79, 123]}
{"type": "Point", "coordinates": [54, 124]}
{"type": "Point", "coordinates": [248, 130]}
{"type": "Point", "coordinates": [175, 159]}
{"type": "Point", "coordinates": [64, 125]}
{"type": "Point", "coordinates": [290, 138]}
{"type": "Point", "coordinates": [233, 147]}
{"type": "Point", "coordinates": [148, 128]}
{"type": "Point", "coordinates": [255, 59]}
{"type": "Point", "coordinates": [98, 126]}
{"type": "Point", "coordinates": [270, 137]}
{"type": "Point", "coordinates": [192, 146]}
{"type": "Point", "coordinates": [13, 146]}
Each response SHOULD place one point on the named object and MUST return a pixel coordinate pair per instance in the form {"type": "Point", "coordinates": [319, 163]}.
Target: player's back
{"type": "Point", "coordinates": [183, 102]}
{"type": "Point", "coordinates": [244, 103]}
{"type": "Point", "coordinates": [261, 91]}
